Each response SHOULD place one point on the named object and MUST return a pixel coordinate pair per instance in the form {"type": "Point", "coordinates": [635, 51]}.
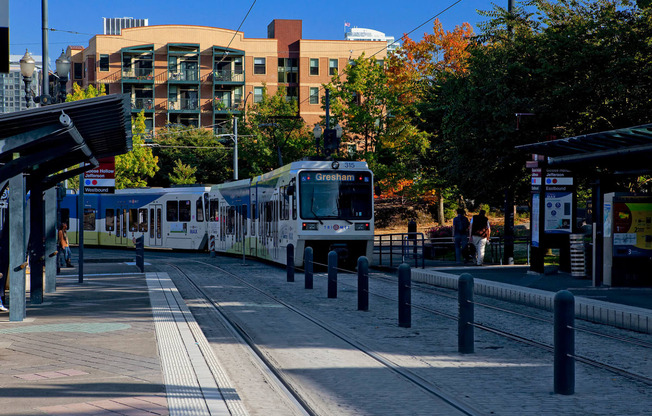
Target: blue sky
{"type": "Point", "coordinates": [321, 19]}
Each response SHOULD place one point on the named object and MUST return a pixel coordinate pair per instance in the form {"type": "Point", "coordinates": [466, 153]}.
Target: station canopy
{"type": "Point", "coordinates": [44, 141]}
{"type": "Point", "coordinates": [626, 151]}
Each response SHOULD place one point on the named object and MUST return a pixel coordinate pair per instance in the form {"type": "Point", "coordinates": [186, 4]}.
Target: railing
{"type": "Point", "coordinates": [146, 74]}
{"type": "Point", "coordinates": [188, 75]}
{"type": "Point", "coordinates": [184, 104]}
{"type": "Point", "coordinates": [443, 248]}
{"type": "Point", "coordinates": [142, 103]}
{"type": "Point", "coordinates": [228, 76]}
{"type": "Point", "coordinates": [405, 246]}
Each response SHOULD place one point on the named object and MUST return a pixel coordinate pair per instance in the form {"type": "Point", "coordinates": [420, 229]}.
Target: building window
{"type": "Point", "coordinates": [314, 66]}
{"type": "Point", "coordinates": [332, 66]}
{"type": "Point", "coordinates": [77, 70]}
{"type": "Point", "coordinates": [292, 93]}
{"type": "Point", "coordinates": [258, 94]}
{"type": "Point", "coordinates": [314, 95]}
{"type": "Point", "coordinates": [104, 62]}
{"type": "Point", "coordinates": [259, 66]}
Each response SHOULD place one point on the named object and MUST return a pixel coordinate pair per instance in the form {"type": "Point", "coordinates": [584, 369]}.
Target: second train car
{"type": "Point", "coordinates": [326, 205]}
{"type": "Point", "coordinates": [172, 218]}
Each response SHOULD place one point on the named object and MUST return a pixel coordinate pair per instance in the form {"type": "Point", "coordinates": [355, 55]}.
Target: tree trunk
{"type": "Point", "coordinates": [440, 213]}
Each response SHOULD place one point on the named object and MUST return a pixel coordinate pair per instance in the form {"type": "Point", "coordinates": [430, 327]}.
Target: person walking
{"type": "Point", "coordinates": [479, 234]}
{"type": "Point", "coordinates": [64, 246]}
{"type": "Point", "coordinates": [460, 233]}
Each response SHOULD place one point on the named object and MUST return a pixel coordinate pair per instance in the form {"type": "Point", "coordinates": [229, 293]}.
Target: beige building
{"type": "Point", "coordinates": [200, 76]}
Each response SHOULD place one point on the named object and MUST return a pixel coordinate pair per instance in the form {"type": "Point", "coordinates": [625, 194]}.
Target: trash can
{"type": "Point", "coordinates": [577, 256]}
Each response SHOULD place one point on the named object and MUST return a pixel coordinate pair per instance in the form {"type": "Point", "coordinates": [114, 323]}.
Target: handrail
{"type": "Point", "coordinates": [411, 246]}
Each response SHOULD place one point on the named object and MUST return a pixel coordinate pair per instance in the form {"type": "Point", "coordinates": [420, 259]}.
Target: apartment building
{"type": "Point", "coordinates": [201, 76]}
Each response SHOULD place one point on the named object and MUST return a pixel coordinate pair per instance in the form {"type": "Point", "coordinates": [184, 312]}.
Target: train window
{"type": "Point", "coordinates": [109, 220]}
{"type": "Point", "coordinates": [253, 219]}
{"type": "Point", "coordinates": [206, 208]}
{"type": "Point", "coordinates": [124, 222]}
{"type": "Point", "coordinates": [294, 206]}
{"type": "Point", "coordinates": [142, 220]}
{"type": "Point", "coordinates": [133, 219]}
{"type": "Point", "coordinates": [214, 210]}
{"type": "Point", "coordinates": [244, 219]}
{"type": "Point", "coordinates": [230, 221]}
{"type": "Point", "coordinates": [172, 211]}
{"type": "Point", "coordinates": [159, 214]}
{"type": "Point", "coordinates": [151, 223]}
{"type": "Point", "coordinates": [184, 211]}
{"type": "Point", "coordinates": [200, 209]}
{"type": "Point", "coordinates": [89, 219]}
{"type": "Point", "coordinates": [269, 215]}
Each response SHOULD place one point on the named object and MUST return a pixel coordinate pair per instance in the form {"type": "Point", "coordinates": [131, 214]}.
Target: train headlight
{"type": "Point", "coordinates": [362, 226]}
{"type": "Point", "coordinates": [310, 226]}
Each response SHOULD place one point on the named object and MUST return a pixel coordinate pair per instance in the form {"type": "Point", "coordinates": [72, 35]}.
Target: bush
{"type": "Point", "coordinates": [440, 231]}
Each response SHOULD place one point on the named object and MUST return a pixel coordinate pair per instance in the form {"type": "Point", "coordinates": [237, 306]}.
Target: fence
{"type": "Point", "coordinates": [400, 248]}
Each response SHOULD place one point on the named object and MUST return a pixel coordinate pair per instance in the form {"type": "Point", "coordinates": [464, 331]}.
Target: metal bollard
{"type": "Point", "coordinates": [363, 284]}
{"type": "Point", "coordinates": [404, 296]}
{"type": "Point", "coordinates": [465, 335]}
{"type": "Point", "coordinates": [332, 275]}
{"type": "Point", "coordinates": [564, 337]}
{"type": "Point", "coordinates": [290, 262]}
{"type": "Point", "coordinates": [140, 253]}
{"type": "Point", "coordinates": [307, 265]}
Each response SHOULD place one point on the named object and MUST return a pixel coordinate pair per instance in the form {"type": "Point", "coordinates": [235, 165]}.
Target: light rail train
{"type": "Point", "coordinates": [326, 205]}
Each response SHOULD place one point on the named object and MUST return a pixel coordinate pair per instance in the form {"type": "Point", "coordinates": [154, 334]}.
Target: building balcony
{"type": "Point", "coordinates": [228, 77]}
{"type": "Point", "coordinates": [226, 106]}
{"type": "Point", "coordinates": [184, 105]}
{"type": "Point", "coordinates": [138, 104]}
{"type": "Point", "coordinates": [184, 76]}
{"type": "Point", "coordinates": [138, 74]}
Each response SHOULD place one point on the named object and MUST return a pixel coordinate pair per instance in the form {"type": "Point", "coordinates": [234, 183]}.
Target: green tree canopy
{"type": "Point", "coordinates": [134, 168]}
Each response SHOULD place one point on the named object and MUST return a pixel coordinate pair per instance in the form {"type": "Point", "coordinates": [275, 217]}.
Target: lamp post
{"type": "Point", "coordinates": [63, 69]}
{"type": "Point", "coordinates": [27, 66]}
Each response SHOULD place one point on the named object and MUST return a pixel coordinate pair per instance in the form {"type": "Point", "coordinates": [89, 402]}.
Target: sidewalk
{"type": "Point", "coordinates": [88, 349]}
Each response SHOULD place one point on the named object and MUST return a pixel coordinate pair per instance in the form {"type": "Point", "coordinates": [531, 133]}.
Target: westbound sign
{"type": "Point", "coordinates": [101, 180]}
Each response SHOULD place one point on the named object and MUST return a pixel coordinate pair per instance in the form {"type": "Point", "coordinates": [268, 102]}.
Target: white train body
{"type": "Point", "coordinates": [320, 204]}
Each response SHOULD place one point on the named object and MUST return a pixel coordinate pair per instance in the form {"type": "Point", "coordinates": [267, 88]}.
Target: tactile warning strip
{"type": "Point", "coordinates": [194, 381]}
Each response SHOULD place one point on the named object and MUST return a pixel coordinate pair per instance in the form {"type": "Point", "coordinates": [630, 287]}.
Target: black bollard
{"type": "Point", "coordinates": [404, 296]}
{"type": "Point", "coordinates": [290, 262]}
{"type": "Point", "coordinates": [140, 253]}
{"type": "Point", "coordinates": [363, 284]}
{"type": "Point", "coordinates": [332, 275]}
{"type": "Point", "coordinates": [307, 265]}
{"type": "Point", "coordinates": [465, 336]}
{"type": "Point", "coordinates": [564, 367]}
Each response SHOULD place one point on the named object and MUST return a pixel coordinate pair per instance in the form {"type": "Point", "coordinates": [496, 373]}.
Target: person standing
{"type": "Point", "coordinates": [479, 233]}
{"type": "Point", "coordinates": [460, 233]}
{"type": "Point", "coordinates": [64, 246]}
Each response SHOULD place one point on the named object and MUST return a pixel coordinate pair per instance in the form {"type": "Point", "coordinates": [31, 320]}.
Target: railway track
{"type": "Point", "coordinates": [304, 401]}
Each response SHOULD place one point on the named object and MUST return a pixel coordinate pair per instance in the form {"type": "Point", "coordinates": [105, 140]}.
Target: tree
{"type": "Point", "coordinates": [133, 168]}
{"type": "Point", "coordinates": [272, 135]}
{"type": "Point", "coordinates": [183, 174]}
{"type": "Point", "coordinates": [193, 147]}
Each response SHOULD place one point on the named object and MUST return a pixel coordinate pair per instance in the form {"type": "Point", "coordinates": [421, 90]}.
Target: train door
{"type": "Point", "coordinates": [118, 226]}
{"type": "Point", "coordinates": [253, 249]}
{"type": "Point", "coordinates": [156, 225]}
{"type": "Point", "coordinates": [275, 215]}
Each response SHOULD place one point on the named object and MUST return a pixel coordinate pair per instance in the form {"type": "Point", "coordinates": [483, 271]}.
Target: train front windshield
{"type": "Point", "coordinates": [335, 195]}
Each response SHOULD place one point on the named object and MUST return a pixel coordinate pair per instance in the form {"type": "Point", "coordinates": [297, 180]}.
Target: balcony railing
{"type": "Point", "coordinates": [146, 74]}
{"type": "Point", "coordinates": [184, 105]}
{"type": "Point", "coordinates": [142, 103]}
{"type": "Point", "coordinates": [188, 75]}
{"type": "Point", "coordinates": [228, 76]}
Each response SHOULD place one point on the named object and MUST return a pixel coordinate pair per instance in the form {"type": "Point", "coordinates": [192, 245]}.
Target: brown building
{"type": "Point", "coordinates": [200, 76]}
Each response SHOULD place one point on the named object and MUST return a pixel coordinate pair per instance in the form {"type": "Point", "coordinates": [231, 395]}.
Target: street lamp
{"type": "Point", "coordinates": [317, 131]}
{"type": "Point", "coordinates": [63, 69]}
{"type": "Point", "coordinates": [27, 66]}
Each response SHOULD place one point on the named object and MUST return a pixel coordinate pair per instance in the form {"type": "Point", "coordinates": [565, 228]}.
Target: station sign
{"type": "Point", "coordinates": [101, 180]}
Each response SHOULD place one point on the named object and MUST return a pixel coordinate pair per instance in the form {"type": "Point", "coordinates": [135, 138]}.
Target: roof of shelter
{"type": "Point", "coordinates": [622, 151]}
{"type": "Point", "coordinates": [52, 138]}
